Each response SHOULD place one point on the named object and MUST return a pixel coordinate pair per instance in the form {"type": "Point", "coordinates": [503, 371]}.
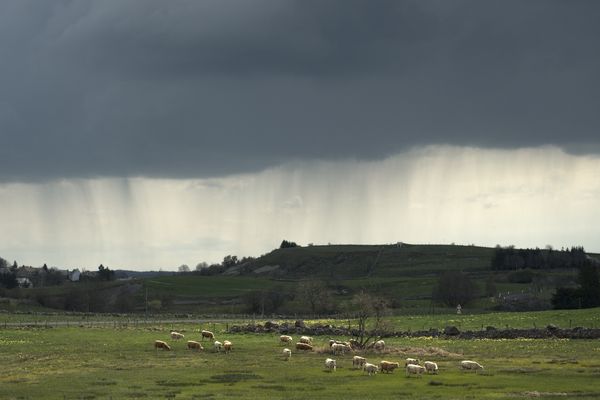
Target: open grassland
{"type": "Point", "coordinates": [100, 363]}
{"type": "Point", "coordinates": [587, 318]}
{"type": "Point", "coordinates": [210, 287]}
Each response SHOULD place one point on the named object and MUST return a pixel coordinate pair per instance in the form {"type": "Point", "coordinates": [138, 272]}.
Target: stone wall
{"type": "Point", "coordinates": [450, 332]}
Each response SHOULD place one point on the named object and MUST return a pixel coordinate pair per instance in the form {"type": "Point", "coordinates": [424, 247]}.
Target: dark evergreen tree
{"type": "Point", "coordinates": [105, 274]}
{"type": "Point", "coordinates": [285, 244]}
{"type": "Point", "coordinates": [587, 295]}
{"type": "Point", "coordinates": [454, 288]}
{"type": "Point", "coordinates": [589, 285]}
{"type": "Point", "coordinates": [8, 280]}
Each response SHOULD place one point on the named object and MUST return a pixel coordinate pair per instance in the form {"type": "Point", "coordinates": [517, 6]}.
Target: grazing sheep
{"type": "Point", "coordinates": [285, 339]}
{"type": "Point", "coordinates": [227, 346]}
{"type": "Point", "coordinates": [354, 343]}
{"type": "Point", "coordinates": [159, 344]}
{"type": "Point", "coordinates": [333, 341]}
{"type": "Point", "coordinates": [208, 335]}
{"type": "Point", "coordinates": [370, 368]}
{"type": "Point", "coordinates": [430, 366]}
{"type": "Point", "coordinates": [218, 346]}
{"type": "Point", "coordinates": [287, 354]}
{"type": "Point", "coordinates": [388, 366]}
{"type": "Point", "coordinates": [468, 364]}
{"type": "Point", "coordinates": [303, 346]}
{"type": "Point", "coordinates": [193, 345]}
{"type": "Point", "coordinates": [414, 361]}
{"type": "Point", "coordinates": [306, 339]}
{"type": "Point", "coordinates": [338, 348]}
{"type": "Point", "coordinates": [414, 369]}
{"type": "Point", "coordinates": [379, 345]}
{"type": "Point", "coordinates": [330, 364]}
{"type": "Point", "coordinates": [358, 361]}
{"type": "Point", "coordinates": [176, 335]}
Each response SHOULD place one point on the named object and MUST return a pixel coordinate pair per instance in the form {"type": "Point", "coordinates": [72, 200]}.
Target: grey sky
{"type": "Point", "coordinates": [188, 89]}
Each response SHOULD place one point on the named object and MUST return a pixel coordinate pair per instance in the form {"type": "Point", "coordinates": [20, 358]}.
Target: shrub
{"type": "Point", "coordinates": [454, 288]}
{"type": "Point", "coordinates": [522, 276]}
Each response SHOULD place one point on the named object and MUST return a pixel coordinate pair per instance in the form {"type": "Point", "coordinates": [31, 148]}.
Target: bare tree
{"type": "Point", "coordinates": [184, 268]}
{"type": "Point", "coordinates": [365, 307]}
{"type": "Point", "coordinates": [200, 266]}
{"type": "Point", "coordinates": [314, 294]}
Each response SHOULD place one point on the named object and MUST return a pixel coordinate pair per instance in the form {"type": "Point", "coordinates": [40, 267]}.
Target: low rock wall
{"type": "Point", "coordinates": [450, 332]}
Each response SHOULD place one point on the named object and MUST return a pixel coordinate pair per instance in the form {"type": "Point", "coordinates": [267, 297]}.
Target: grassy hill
{"type": "Point", "coordinates": [406, 274]}
{"type": "Point", "coordinates": [366, 261]}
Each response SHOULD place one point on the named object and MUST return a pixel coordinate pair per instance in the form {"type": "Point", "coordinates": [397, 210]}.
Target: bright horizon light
{"type": "Point", "coordinates": [436, 194]}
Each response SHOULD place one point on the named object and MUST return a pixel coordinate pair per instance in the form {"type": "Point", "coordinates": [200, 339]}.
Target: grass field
{"type": "Point", "coordinates": [102, 363]}
{"type": "Point", "coordinates": [587, 318]}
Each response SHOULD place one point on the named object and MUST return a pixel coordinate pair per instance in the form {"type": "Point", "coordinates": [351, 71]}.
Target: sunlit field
{"type": "Point", "coordinates": [97, 363]}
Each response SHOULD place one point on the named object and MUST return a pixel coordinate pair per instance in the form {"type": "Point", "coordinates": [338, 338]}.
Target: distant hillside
{"type": "Point", "coordinates": [366, 261]}
{"type": "Point", "coordinates": [406, 275]}
{"type": "Point", "coordinates": [124, 274]}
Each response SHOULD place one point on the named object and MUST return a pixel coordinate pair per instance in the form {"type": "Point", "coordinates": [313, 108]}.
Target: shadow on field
{"type": "Point", "coordinates": [234, 377]}
{"type": "Point", "coordinates": [178, 384]}
{"type": "Point", "coordinates": [279, 388]}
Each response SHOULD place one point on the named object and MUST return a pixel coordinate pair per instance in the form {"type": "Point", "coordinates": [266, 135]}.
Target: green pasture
{"type": "Point", "coordinates": [587, 318]}
{"type": "Point", "coordinates": [348, 261]}
{"type": "Point", "coordinates": [103, 363]}
{"type": "Point", "coordinates": [211, 286]}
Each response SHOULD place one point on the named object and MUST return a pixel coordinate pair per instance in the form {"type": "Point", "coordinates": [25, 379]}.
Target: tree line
{"type": "Point", "coordinates": [509, 258]}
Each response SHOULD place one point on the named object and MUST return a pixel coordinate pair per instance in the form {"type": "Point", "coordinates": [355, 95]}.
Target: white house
{"type": "Point", "coordinates": [75, 275]}
{"type": "Point", "coordinates": [24, 282]}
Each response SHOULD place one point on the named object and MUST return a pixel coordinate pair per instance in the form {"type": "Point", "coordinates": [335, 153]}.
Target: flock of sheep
{"type": "Point", "coordinates": [226, 345]}
{"type": "Point", "coordinates": [412, 366]}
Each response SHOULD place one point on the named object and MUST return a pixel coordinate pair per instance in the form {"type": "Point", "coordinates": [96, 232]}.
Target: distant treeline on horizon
{"type": "Point", "coordinates": [510, 258]}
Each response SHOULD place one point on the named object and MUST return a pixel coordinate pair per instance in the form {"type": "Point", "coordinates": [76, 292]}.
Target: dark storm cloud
{"type": "Point", "coordinates": [206, 88]}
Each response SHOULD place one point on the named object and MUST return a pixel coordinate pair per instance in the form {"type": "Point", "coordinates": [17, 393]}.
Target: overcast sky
{"type": "Point", "coordinates": [104, 104]}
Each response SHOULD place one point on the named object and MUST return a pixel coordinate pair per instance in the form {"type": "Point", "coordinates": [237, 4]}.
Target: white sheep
{"type": "Point", "coordinates": [330, 364]}
{"type": "Point", "coordinates": [430, 366]}
{"type": "Point", "coordinates": [287, 354]}
{"type": "Point", "coordinates": [414, 369]}
{"type": "Point", "coordinates": [208, 335]}
{"type": "Point", "coordinates": [176, 335]}
{"type": "Point", "coordinates": [414, 361]}
{"type": "Point", "coordinates": [370, 368]}
{"type": "Point", "coordinates": [303, 346]}
{"type": "Point", "coordinates": [339, 348]}
{"type": "Point", "coordinates": [193, 345]}
{"type": "Point", "coordinates": [358, 361]}
{"type": "Point", "coordinates": [470, 365]}
{"type": "Point", "coordinates": [388, 366]}
{"type": "Point", "coordinates": [159, 344]}
{"type": "Point", "coordinates": [333, 341]}
{"type": "Point", "coordinates": [227, 346]}
{"type": "Point", "coordinates": [306, 339]}
{"type": "Point", "coordinates": [218, 346]}
{"type": "Point", "coordinates": [285, 339]}
{"type": "Point", "coordinates": [379, 345]}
